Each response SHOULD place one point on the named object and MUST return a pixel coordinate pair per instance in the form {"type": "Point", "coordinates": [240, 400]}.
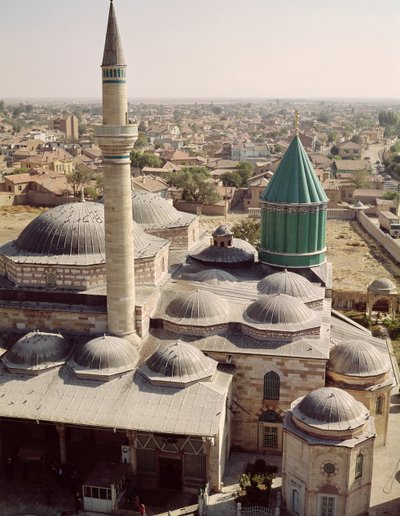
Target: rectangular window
{"type": "Point", "coordinates": [195, 467]}
{"type": "Point", "coordinates": [146, 460]}
{"type": "Point", "coordinates": [327, 506]}
{"type": "Point", "coordinates": [270, 439]}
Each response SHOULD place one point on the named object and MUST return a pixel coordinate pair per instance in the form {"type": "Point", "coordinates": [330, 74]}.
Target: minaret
{"type": "Point", "coordinates": [116, 138]}
{"type": "Point", "coordinates": [293, 213]}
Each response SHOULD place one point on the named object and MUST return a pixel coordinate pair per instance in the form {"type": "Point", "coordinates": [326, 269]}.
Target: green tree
{"type": "Point", "coordinates": [195, 185]}
{"type": "Point", "coordinates": [142, 141]}
{"type": "Point", "coordinates": [145, 159]}
{"type": "Point", "coordinates": [247, 229]}
{"type": "Point", "coordinates": [245, 170]}
{"type": "Point", "coordinates": [388, 118]}
{"type": "Point", "coordinates": [356, 139]}
{"type": "Point", "coordinates": [390, 196]}
{"type": "Point", "coordinates": [79, 178]}
{"type": "Point", "coordinates": [231, 179]}
{"type": "Point", "coordinates": [334, 150]}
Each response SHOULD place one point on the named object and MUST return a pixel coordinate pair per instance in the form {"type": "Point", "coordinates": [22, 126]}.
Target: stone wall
{"type": "Point", "coordinates": [297, 377]}
{"type": "Point", "coordinates": [203, 209]}
{"type": "Point", "coordinates": [348, 300]}
{"type": "Point", "coordinates": [20, 317]}
{"type": "Point", "coordinates": [341, 214]}
{"type": "Point", "coordinates": [182, 237]}
{"type": "Point", "coordinates": [391, 245]}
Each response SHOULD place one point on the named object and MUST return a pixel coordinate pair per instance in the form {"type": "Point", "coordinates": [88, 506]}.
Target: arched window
{"type": "Point", "coordinates": [359, 465]}
{"type": "Point", "coordinates": [272, 384]}
{"type": "Point", "coordinates": [119, 72]}
{"type": "Point", "coordinates": [379, 406]}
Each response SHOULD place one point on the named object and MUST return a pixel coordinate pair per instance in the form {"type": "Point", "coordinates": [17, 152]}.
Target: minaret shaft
{"type": "Point", "coordinates": [116, 139]}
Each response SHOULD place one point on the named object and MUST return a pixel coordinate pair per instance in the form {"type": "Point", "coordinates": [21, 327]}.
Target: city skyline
{"type": "Point", "coordinates": [203, 50]}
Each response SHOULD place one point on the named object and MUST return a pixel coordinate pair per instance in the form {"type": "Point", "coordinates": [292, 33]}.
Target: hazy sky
{"type": "Point", "coordinates": [204, 48]}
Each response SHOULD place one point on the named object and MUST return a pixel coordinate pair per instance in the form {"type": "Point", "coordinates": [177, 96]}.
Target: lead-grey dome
{"type": "Point", "coordinates": [291, 284]}
{"type": "Point", "coordinates": [383, 285]}
{"type": "Point", "coordinates": [37, 351]}
{"type": "Point", "coordinates": [222, 231]}
{"type": "Point", "coordinates": [357, 358]}
{"type": "Point", "coordinates": [212, 277]}
{"type": "Point", "coordinates": [280, 309]}
{"type": "Point", "coordinates": [75, 228]}
{"type": "Point", "coordinates": [239, 253]}
{"type": "Point", "coordinates": [104, 357]}
{"type": "Point", "coordinates": [198, 306]}
{"type": "Point", "coordinates": [151, 211]}
{"type": "Point", "coordinates": [178, 364]}
{"type": "Point", "coordinates": [330, 408]}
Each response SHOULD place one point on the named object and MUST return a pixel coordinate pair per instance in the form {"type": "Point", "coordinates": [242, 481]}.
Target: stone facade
{"type": "Point", "coordinates": [180, 237]}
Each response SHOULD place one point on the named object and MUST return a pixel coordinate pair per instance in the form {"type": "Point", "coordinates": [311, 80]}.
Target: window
{"type": "Point", "coordinates": [270, 439]}
{"type": "Point", "coordinates": [327, 506]}
{"type": "Point", "coordinates": [359, 465]}
{"type": "Point", "coordinates": [379, 406]}
{"type": "Point", "coordinates": [271, 386]}
{"type": "Point", "coordinates": [295, 501]}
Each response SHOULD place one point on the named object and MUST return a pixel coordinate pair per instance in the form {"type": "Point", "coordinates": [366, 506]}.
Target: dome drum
{"type": "Point", "coordinates": [195, 329]}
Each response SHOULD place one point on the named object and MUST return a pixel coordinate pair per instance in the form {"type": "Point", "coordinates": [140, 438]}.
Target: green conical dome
{"type": "Point", "coordinates": [293, 215]}
{"type": "Point", "coordinates": [294, 180]}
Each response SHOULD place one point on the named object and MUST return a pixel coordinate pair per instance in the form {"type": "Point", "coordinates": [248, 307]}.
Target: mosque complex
{"type": "Point", "coordinates": [110, 345]}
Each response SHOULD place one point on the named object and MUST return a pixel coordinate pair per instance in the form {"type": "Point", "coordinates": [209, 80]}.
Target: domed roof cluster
{"type": "Point", "coordinates": [75, 228]}
{"type": "Point", "coordinates": [36, 352]}
{"type": "Point", "coordinates": [198, 307]}
{"type": "Point", "coordinates": [329, 408]}
{"type": "Point", "coordinates": [212, 277]}
{"type": "Point", "coordinates": [151, 211]}
{"type": "Point", "coordinates": [178, 364]}
{"type": "Point", "coordinates": [357, 358]}
{"type": "Point", "coordinates": [104, 358]}
{"type": "Point", "coordinates": [382, 286]}
{"type": "Point", "coordinates": [291, 284]}
{"type": "Point", "coordinates": [280, 309]}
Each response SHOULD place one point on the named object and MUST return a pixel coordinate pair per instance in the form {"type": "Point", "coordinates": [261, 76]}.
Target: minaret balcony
{"type": "Point", "coordinates": [116, 138]}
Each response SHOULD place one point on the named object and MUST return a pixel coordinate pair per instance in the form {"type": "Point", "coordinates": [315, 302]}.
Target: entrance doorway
{"type": "Point", "coordinates": [170, 473]}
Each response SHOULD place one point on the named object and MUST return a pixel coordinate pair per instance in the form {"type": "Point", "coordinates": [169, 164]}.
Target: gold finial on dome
{"type": "Point", "coordinates": [296, 123]}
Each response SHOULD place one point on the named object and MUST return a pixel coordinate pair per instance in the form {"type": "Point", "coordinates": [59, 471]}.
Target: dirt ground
{"type": "Point", "coordinates": [357, 259]}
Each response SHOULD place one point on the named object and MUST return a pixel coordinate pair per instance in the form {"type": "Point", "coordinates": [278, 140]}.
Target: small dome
{"type": "Point", "coordinates": [279, 309]}
{"type": "Point", "coordinates": [37, 351]}
{"type": "Point", "coordinates": [222, 231]}
{"type": "Point", "coordinates": [178, 364]}
{"type": "Point", "coordinates": [357, 358]}
{"type": "Point", "coordinates": [331, 409]}
{"type": "Point", "coordinates": [358, 204]}
{"type": "Point", "coordinates": [383, 285]}
{"type": "Point", "coordinates": [239, 252]}
{"type": "Point", "coordinates": [152, 211]}
{"type": "Point", "coordinates": [105, 356]}
{"type": "Point", "coordinates": [198, 306]}
{"type": "Point", "coordinates": [212, 277]}
{"type": "Point", "coordinates": [291, 284]}
{"type": "Point", "coordinates": [75, 228]}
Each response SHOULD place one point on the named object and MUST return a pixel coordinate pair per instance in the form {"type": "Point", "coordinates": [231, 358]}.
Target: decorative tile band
{"type": "Point", "coordinates": [113, 81]}
{"type": "Point", "coordinates": [287, 208]}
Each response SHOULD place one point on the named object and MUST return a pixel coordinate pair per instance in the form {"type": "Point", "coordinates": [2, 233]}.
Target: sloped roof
{"type": "Point", "coordinates": [295, 181]}
{"type": "Point", "coordinates": [113, 52]}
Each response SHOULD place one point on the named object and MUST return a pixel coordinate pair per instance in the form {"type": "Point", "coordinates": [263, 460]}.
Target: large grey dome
{"type": "Point", "coordinates": [151, 211]}
{"type": "Point", "coordinates": [198, 306]}
{"type": "Point", "coordinates": [357, 358]}
{"type": "Point", "coordinates": [279, 309]}
{"type": "Point", "coordinates": [37, 351]}
{"type": "Point", "coordinates": [105, 356]}
{"type": "Point", "coordinates": [178, 364]}
{"type": "Point", "coordinates": [330, 408]}
{"type": "Point", "coordinates": [75, 228]}
{"type": "Point", "coordinates": [78, 229]}
{"type": "Point", "coordinates": [290, 283]}
{"type": "Point", "coordinates": [382, 285]}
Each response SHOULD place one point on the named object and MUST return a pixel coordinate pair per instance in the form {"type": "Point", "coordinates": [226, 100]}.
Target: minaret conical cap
{"type": "Point", "coordinates": [113, 52]}
{"type": "Point", "coordinates": [295, 181]}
